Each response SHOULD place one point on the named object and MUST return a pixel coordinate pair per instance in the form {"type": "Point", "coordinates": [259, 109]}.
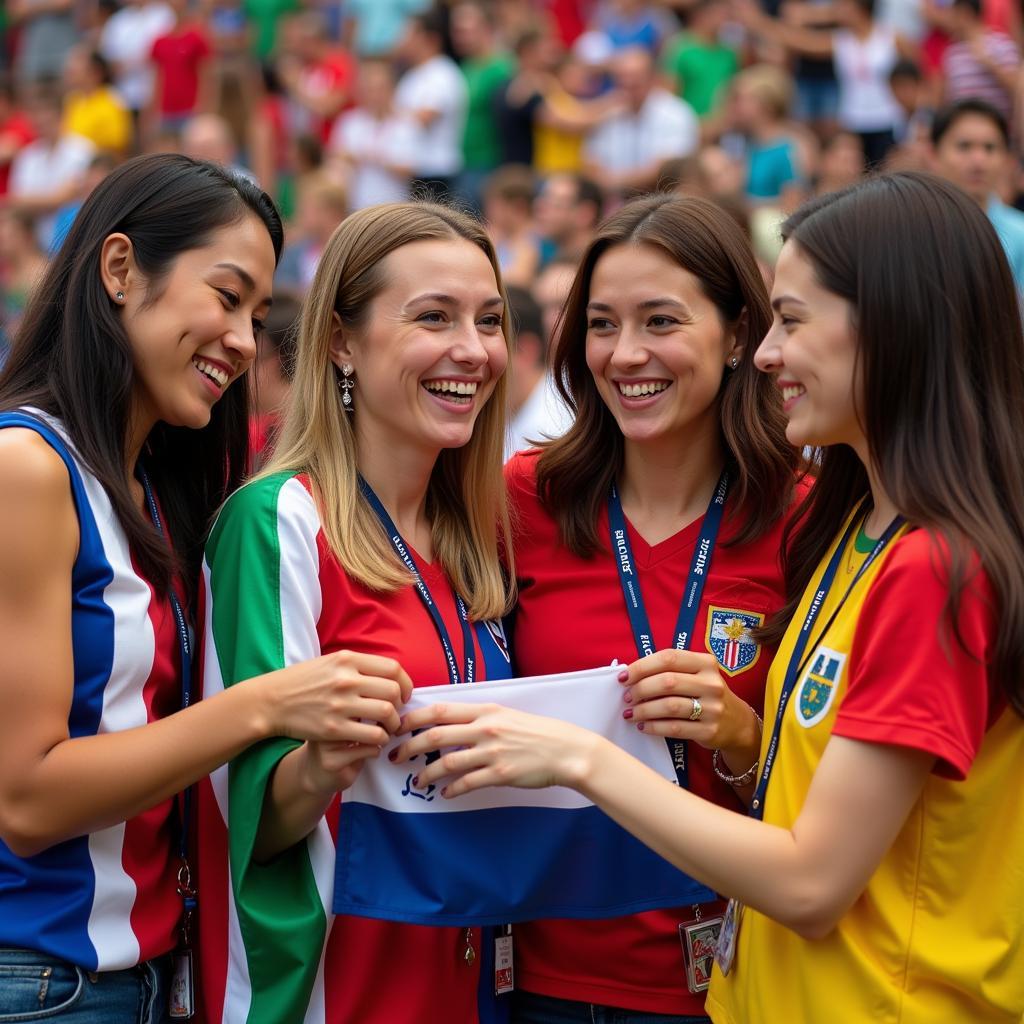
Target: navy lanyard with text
{"type": "Point", "coordinates": [690, 604]}
{"type": "Point", "coordinates": [185, 889]}
{"type": "Point", "coordinates": [402, 550]}
{"type": "Point", "coordinates": [797, 660]}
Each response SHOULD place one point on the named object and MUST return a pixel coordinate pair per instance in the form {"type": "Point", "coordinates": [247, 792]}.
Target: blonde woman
{"type": "Point", "coordinates": [375, 530]}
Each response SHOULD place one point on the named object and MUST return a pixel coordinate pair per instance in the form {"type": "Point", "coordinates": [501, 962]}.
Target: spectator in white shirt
{"type": "Point", "coordinates": [127, 43]}
{"type": "Point", "coordinates": [433, 94]}
{"type": "Point", "coordinates": [47, 173]}
{"type": "Point", "coordinates": [373, 143]}
{"type": "Point", "coordinates": [626, 151]}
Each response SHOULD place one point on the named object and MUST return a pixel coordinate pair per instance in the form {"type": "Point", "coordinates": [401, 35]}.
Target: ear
{"type": "Point", "coordinates": [117, 266]}
{"type": "Point", "coordinates": [340, 343]}
{"type": "Point", "coordinates": [736, 338]}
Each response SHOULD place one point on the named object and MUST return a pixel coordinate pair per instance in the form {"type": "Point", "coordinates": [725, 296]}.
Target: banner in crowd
{"type": "Point", "coordinates": [500, 854]}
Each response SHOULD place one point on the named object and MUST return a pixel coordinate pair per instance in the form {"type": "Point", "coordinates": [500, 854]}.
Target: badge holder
{"type": "Point", "coordinates": [504, 969]}
{"type": "Point", "coordinates": [725, 951]}
{"type": "Point", "coordinates": [699, 939]}
{"type": "Point", "coordinates": [182, 994]}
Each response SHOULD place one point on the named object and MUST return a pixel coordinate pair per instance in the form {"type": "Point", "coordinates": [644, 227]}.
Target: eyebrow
{"type": "Point", "coordinates": [246, 278]}
{"type": "Point", "coordinates": [776, 303]}
{"type": "Point", "coordinates": [450, 300]}
{"type": "Point", "coordinates": [603, 307]}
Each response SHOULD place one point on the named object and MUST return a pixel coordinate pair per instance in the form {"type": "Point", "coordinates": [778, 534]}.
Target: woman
{"type": "Point", "coordinates": [883, 882]}
{"type": "Point", "coordinates": [121, 434]}
{"type": "Point", "coordinates": [374, 529]}
{"type": "Point", "coordinates": [655, 351]}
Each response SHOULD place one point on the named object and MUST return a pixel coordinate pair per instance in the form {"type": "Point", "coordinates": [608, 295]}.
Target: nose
{"type": "Point", "coordinates": [468, 348]}
{"type": "Point", "coordinates": [768, 357]}
{"type": "Point", "coordinates": [629, 350]}
{"type": "Point", "coordinates": [241, 341]}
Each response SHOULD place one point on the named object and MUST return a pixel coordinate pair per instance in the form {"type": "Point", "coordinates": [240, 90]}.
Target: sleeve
{"type": "Point", "coordinates": [261, 582]}
{"type": "Point", "coordinates": [913, 683]}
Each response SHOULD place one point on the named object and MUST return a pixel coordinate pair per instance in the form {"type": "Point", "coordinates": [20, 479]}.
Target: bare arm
{"type": "Point", "coordinates": [806, 41]}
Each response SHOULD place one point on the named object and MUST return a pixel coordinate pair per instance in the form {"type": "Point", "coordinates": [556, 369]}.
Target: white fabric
{"type": "Point", "coordinates": [542, 416]}
{"type": "Point", "coordinates": [866, 103]}
{"type": "Point", "coordinates": [437, 85]}
{"type": "Point", "coordinates": [664, 127]}
{"type": "Point", "coordinates": [127, 42]}
{"type": "Point", "coordinates": [370, 143]}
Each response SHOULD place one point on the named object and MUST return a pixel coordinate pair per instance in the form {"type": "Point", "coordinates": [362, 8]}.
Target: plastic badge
{"type": "Point", "coordinates": [182, 1003]}
{"type": "Point", "coordinates": [725, 951]}
{"type": "Point", "coordinates": [699, 940]}
{"type": "Point", "coordinates": [503, 970]}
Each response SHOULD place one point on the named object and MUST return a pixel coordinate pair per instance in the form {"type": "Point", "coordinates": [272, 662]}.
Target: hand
{"type": "Point", "coordinates": [328, 768]}
{"type": "Point", "coordinates": [488, 745]}
{"type": "Point", "coordinates": [342, 697]}
{"type": "Point", "coordinates": [659, 697]}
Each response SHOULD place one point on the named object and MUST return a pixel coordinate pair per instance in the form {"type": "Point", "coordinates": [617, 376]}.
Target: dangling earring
{"type": "Point", "coordinates": [346, 384]}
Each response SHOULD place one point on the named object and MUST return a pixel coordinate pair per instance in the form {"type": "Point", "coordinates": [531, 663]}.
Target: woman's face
{"type": "Point", "coordinates": [432, 349]}
{"type": "Point", "coordinates": [199, 335]}
{"type": "Point", "coordinates": [811, 349]}
{"type": "Point", "coordinates": [656, 344]}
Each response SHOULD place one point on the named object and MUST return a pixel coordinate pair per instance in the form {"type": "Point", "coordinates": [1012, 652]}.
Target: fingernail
{"type": "Point", "coordinates": [624, 676]}
{"type": "Point", "coordinates": [640, 726]}
{"type": "Point", "coordinates": [393, 754]}
{"type": "Point", "coordinates": [628, 696]}
{"type": "Point", "coordinates": [444, 791]}
{"type": "Point", "coordinates": [416, 781]}
{"type": "Point", "coordinates": [628, 713]}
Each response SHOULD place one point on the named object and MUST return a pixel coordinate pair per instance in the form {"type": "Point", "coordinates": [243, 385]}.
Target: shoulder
{"type": "Point", "coordinates": [521, 471]}
{"type": "Point", "coordinates": [262, 507]}
{"type": "Point", "coordinates": [30, 468]}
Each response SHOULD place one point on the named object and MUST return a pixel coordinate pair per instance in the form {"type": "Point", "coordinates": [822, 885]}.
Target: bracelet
{"type": "Point", "coordinates": [749, 775]}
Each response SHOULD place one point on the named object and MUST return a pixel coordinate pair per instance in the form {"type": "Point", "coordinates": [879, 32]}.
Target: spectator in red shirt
{"type": "Point", "coordinates": [16, 130]}
{"type": "Point", "coordinates": [181, 57]}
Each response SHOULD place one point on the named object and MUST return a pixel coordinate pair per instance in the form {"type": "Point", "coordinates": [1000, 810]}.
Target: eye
{"type": "Point", "coordinates": [229, 297]}
{"type": "Point", "coordinates": [434, 316]}
{"type": "Point", "coordinates": [258, 327]}
{"type": "Point", "coordinates": [662, 321]}
{"type": "Point", "coordinates": [788, 321]}
{"type": "Point", "coordinates": [492, 320]}
{"type": "Point", "coordinates": [599, 323]}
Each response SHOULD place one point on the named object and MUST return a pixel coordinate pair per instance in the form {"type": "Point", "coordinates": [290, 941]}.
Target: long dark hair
{"type": "Point", "coordinates": [576, 471]}
{"type": "Point", "coordinates": [72, 357]}
{"type": "Point", "coordinates": [941, 356]}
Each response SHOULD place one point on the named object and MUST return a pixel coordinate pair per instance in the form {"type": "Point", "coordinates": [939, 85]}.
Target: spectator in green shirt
{"type": "Point", "coordinates": [264, 15]}
{"type": "Point", "coordinates": [487, 69]}
{"type": "Point", "coordinates": [700, 64]}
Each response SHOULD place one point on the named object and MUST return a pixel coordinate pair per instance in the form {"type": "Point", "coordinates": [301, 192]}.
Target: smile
{"type": "Point", "coordinates": [458, 392]}
{"type": "Point", "coordinates": [642, 389]}
{"type": "Point", "coordinates": [215, 373]}
{"type": "Point", "coordinates": [791, 391]}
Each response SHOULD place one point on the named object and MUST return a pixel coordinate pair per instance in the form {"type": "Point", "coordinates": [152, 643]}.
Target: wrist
{"type": "Point", "coordinates": [581, 764]}
{"type": "Point", "coordinates": [258, 700]}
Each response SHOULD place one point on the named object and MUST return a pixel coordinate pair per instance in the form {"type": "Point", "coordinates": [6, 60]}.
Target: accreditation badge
{"type": "Point", "coordinates": [504, 981]}
{"type": "Point", "coordinates": [182, 1000]}
{"type": "Point", "coordinates": [699, 939]}
{"type": "Point", "coordinates": [725, 950]}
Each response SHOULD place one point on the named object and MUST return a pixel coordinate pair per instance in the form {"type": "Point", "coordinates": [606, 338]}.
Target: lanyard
{"type": "Point", "coordinates": [401, 549]}
{"type": "Point", "coordinates": [797, 660]}
{"type": "Point", "coordinates": [185, 890]}
{"type": "Point", "coordinates": [690, 605]}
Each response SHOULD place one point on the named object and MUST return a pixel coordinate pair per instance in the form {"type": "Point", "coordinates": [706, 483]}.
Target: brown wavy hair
{"type": "Point", "coordinates": [575, 472]}
{"type": "Point", "coordinates": [941, 353]}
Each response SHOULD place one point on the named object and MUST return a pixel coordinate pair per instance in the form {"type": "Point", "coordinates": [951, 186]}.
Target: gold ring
{"type": "Point", "coordinates": [697, 710]}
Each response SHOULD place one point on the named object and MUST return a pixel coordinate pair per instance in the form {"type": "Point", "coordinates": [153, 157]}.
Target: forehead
{"type": "Point", "coordinates": [629, 274]}
{"type": "Point", "coordinates": [453, 266]}
{"type": "Point", "coordinates": [245, 243]}
{"type": "Point", "coordinates": [975, 127]}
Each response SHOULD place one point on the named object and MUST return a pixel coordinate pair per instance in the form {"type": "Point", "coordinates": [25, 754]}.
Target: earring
{"type": "Point", "coordinates": [346, 384]}
{"type": "Point", "coordinates": [119, 296]}
{"type": "Point", "coordinates": [734, 362]}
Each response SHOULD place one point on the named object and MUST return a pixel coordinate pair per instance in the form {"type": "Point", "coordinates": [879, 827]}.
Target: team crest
{"type": "Point", "coordinates": [728, 638]}
{"type": "Point", "coordinates": [496, 629]}
{"type": "Point", "coordinates": [817, 689]}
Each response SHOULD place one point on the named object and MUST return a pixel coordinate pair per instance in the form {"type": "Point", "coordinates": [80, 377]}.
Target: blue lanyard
{"type": "Point", "coordinates": [185, 890]}
{"type": "Point", "coordinates": [402, 550]}
{"type": "Point", "coordinates": [797, 660]}
{"type": "Point", "coordinates": [690, 605]}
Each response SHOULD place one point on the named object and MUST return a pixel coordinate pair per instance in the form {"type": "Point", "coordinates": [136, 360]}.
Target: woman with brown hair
{"type": "Point", "coordinates": [618, 553]}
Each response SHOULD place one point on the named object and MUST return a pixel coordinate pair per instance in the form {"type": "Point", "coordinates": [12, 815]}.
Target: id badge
{"type": "Point", "coordinates": [725, 950]}
{"type": "Point", "coordinates": [504, 981]}
{"type": "Point", "coordinates": [182, 1002]}
{"type": "Point", "coordinates": [699, 939]}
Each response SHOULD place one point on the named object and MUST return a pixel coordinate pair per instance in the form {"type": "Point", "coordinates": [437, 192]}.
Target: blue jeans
{"type": "Point", "coordinates": [528, 1008]}
{"type": "Point", "coordinates": [35, 986]}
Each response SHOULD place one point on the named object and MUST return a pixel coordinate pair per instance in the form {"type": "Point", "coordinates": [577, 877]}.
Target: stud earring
{"type": "Point", "coordinates": [346, 384]}
{"type": "Point", "coordinates": [734, 362]}
{"type": "Point", "coordinates": [119, 296]}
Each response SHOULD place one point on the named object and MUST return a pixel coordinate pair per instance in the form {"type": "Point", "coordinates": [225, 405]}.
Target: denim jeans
{"type": "Point", "coordinates": [528, 1008]}
{"type": "Point", "coordinates": [36, 986]}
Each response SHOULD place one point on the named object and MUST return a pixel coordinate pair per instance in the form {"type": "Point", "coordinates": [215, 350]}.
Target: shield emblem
{"type": "Point", "coordinates": [818, 687]}
{"type": "Point", "coordinates": [728, 638]}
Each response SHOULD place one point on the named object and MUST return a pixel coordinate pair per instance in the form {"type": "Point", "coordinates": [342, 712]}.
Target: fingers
{"type": "Point", "coordinates": [669, 660]}
{"type": "Point", "coordinates": [443, 714]}
{"type": "Point", "coordinates": [350, 730]}
{"type": "Point", "coordinates": [439, 737]}
{"type": "Point", "coordinates": [375, 665]}
{"type": "Point", "coordinates": [676, 708]}
{"type": "Point", "coordinates": [452, 764]}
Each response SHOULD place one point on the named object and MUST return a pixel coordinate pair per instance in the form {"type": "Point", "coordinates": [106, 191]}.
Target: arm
{"type": "Point", "coordinates": [806, 41]}
{"type": "Point", "coordinates": [805, 877]}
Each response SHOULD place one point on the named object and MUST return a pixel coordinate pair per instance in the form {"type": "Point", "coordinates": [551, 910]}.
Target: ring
{"type": "Point", "coordinates": [697, 710]}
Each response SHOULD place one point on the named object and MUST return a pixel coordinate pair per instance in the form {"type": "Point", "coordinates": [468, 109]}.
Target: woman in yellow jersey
{"type": "Point", "coordinates": [880, 874]}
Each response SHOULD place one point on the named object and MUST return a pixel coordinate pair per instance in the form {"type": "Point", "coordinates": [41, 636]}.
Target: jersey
{"type": "Point", "coordinates": [107, 900]}
{"type": "Point", "coordinates": [938, 933]}
{"type": "Point", "coordinates": [273, 595]}
{"type": "Point", "coordinates": [571, 615]}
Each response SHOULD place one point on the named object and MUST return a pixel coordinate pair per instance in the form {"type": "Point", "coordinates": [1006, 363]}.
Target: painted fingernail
{"type": "Point", "coordinates": [444, 791]}
{"type": "Point", "coordinates": [640, 726]}
{"type": "Point", "coordinates": [628, 696]}
{"type": "Point", "coordinates": [416, 782]}
{"type": "Point", "coordinates": [628, 713]}
{"type": "Point", "coordinates": [624, 676]}
{"type": "Point", "coordinates": [393, 754]}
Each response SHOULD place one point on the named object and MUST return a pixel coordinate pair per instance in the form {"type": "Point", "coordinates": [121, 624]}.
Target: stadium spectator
{"type": "Point", "coordinates": [16, 129]}
{"type": "Point", "coordinates": [980, 62]}
{"type": "Point", "coordinates": [271, 377]}
{"type": "Point", "coordinates": [508, 211]}
{"type": "Point", "coordinates": [127, 43]}
{"type": "Point", "coordinates": [208, 137]}
{"type": "Point", "coordinates": [46, 33]}
{"type": "Point", "coordinates": [550, 290]}
{"type": "Point", "coordinates": [567, 210]}
{"type": "Point", "coordinates": [22, 264]}
{"type": "Point", "coordinates": [373, 28]}
{"type": "Point", "coordinates": [92, 107]}
{"type": "Point", "coordinates": [699, 62]}
{"type": "Point", "coordinates": [184, 73]}
{"type": "Point", "coordinates": [322, 205]}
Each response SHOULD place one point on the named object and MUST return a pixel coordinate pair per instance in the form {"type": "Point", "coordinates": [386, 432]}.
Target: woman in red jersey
{"type": "Point", "coordinates": [674, 426]}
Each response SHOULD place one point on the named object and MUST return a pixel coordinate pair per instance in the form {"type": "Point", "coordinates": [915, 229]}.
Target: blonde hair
{"type": "Point", "coordinates": [466, 495]}
{"type": "Point", "coordinates": [771, 85]}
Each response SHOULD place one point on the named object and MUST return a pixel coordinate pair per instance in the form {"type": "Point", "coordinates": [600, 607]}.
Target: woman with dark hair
{"type": "Point", "coordinates": [880, 867]}
{"type": "Point", "coordinates": [673, 427]}
{"type": "Point", "coordinates": [121, 436]}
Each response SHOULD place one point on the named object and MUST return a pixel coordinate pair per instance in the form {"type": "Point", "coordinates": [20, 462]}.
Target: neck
{"type": "Point", "coordinates": [883, 508]}
{"type": "Point", "coordinates": [139, 426]}
{"type": "Point", "coordinates": [400, 476]}
{"type": "Point", "coordinates": [666, 483]}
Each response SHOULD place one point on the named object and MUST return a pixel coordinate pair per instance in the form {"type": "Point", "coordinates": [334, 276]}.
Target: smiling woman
{"type": "Point", "coordinates": [374, 532]}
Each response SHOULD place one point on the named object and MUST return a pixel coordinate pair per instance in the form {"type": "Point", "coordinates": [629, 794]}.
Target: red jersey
{"type": "Point", "coordinates": [179, 55]}
{"type": "Point", "coordinates": [571, 615]}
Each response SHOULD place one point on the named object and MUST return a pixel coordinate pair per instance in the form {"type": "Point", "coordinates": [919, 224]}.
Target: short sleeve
{"type": "Point", "coordinates": [913, 682]}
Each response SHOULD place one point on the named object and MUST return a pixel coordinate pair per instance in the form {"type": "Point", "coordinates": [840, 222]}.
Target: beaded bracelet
{"type": "Point", "coordinates": [749, 775]}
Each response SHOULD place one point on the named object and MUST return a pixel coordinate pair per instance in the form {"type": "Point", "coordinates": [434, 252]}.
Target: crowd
{"type": "Point", "coordinates": [352, 347]}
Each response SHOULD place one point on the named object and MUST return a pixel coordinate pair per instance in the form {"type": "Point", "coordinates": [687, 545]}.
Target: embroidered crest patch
{"type": "Point", "coordinates": [817, 689]}
{"type": "Point", "coordinates": [728, 638]}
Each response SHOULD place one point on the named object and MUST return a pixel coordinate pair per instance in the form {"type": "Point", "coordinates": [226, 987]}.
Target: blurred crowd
{"type": "Point", "coordinates": [540, 115]}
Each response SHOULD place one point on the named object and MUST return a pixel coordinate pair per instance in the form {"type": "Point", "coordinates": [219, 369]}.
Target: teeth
{"type": "Point", "coordinates": [454, 387]}
{"type": "Point", "coordinates": [652, 387]}
{"type": "Point", "coordinates": [215, 373]}
{"type": "Point", "coordinates": [792, 391]}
